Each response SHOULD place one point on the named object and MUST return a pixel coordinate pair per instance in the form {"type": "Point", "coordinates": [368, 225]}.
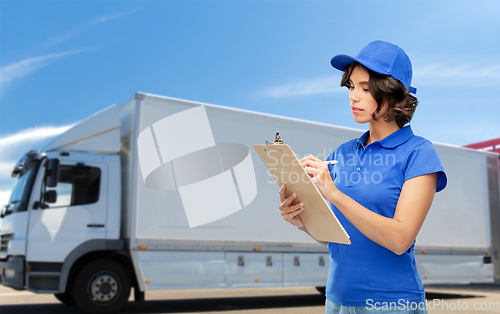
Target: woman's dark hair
{"type": "Point", "coordinates": [385, 89]}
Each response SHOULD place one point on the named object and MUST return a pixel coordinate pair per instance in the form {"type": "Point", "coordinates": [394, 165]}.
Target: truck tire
{"type": "Point", "coordinates": [65, 298]}
{"type": "Point", "coordinates": [102, 286]}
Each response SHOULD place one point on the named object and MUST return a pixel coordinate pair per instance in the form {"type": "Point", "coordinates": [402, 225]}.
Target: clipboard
{"type": "Point", "coordinates": [283, 165]}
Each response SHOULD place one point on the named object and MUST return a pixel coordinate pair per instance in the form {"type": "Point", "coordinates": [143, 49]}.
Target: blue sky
{"type": "Point", "coordinates": [62, 61]}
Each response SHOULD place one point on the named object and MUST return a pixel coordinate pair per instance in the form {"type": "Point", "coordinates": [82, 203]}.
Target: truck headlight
{"type": "Point", "coordinates": [10, 273]}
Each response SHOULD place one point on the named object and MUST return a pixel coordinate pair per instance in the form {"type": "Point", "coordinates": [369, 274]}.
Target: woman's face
{"type": "Point", "coordinates": [362, 103]}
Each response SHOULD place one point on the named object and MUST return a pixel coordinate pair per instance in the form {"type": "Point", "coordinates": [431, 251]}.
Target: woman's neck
{"type": "Point", "coordinates": [381, 129]}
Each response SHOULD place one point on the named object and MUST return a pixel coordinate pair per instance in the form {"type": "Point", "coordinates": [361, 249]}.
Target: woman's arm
{"type": "Point", "coordinates": [397, 233]}
{"type": "Point", "coordinates": [290, 213]}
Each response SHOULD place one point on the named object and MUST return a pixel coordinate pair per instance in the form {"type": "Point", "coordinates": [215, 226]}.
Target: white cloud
{"type": "Point", "coordinates": [29, 137]}
{"type": "Point", "coordinates": [27, 66]}
{"type": "Point", "coordinates": [4, 198]}
{"type": "Point", "coordinates": [22, 68]}
{"type": "Point", "coordinates": [321, 85]}
{"type": "Point", "coordinates": [6, 167]}
{"type": "Point", "coordinates": [81, 29]}
{"type": "Point", "coordinates": [465, 72]}
{"type": "Point", "coordinates": [14, 146]}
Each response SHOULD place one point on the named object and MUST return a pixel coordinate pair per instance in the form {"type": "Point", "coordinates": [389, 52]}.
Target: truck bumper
{"type": "Point", "coordinates": [12, 272]}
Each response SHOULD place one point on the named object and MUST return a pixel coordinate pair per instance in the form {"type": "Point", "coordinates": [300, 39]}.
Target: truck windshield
{"type": "Point", "coordinates": [19, 198]}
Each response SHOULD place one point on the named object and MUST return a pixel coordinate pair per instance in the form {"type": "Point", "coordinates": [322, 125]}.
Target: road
{"type": "Point", "coordinates": [440, 299]}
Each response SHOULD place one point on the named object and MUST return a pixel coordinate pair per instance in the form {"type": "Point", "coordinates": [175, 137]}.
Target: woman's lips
{"type": "Point", "coordinates": [356, 110]}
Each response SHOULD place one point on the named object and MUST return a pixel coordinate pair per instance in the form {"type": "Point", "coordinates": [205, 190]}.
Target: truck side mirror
{"type": "Point", "coordinates": [50, 196]}
{"type": "Point", "coordinates": [52, 172]}
{"type": "Point", "coordinates": [4, 209]}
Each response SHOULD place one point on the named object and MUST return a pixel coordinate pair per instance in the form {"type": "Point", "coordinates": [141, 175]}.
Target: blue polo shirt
{"type": "Point", "coordinates": [373, 176]}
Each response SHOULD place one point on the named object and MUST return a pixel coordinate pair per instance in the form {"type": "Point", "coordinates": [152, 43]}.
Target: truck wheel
{"type": "Point", "coordinates": [102, 286]}
{"type": "Point", "coordinates": [65, 298]}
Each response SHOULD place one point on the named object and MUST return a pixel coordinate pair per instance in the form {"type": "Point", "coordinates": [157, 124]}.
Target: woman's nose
{"type": "Point", "coordinates": [353, 95]}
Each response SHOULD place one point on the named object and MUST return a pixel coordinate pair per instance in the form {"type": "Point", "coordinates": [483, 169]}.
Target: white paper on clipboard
{"type": "Point", "coordinates": [320, 221]}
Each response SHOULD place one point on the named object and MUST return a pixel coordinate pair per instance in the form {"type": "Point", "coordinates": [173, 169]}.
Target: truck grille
{"type": "Point", "coordinates": [4, 241]}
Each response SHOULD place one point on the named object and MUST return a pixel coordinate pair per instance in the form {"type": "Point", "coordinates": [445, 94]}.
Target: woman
{"type": "Point", "coordinates": [381, 189]}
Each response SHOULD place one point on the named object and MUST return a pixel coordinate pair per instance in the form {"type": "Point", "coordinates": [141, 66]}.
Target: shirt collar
{"type": "Point", "coordinates": [363, 138]}
{"type": "Point", "coordinates": [395, 139]}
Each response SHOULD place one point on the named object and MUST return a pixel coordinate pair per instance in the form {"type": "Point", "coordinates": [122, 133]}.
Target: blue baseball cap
{"type": "Point", "coordinates": [381, 57]}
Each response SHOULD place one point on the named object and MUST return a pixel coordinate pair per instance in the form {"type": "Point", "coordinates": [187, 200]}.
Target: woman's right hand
{"type": "Point", "coordinates": [290, 212]}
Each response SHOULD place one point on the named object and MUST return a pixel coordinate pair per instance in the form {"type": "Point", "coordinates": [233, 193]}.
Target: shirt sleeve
{"type": "Point", "coordinates": [424, 159]}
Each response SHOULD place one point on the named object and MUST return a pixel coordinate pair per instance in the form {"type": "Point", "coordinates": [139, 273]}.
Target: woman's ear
{"type": "Point", "coordinates": [384, 110]}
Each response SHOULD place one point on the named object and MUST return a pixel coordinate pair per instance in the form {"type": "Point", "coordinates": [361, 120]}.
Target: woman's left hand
{"type": "Point", "coordinates": [319, 173]}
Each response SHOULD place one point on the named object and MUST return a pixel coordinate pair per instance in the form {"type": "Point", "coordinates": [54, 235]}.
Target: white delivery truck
{"type": "Point", "coordinates": [164, 193]}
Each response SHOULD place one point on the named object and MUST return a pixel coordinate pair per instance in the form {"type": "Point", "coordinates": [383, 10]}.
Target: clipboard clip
{"type": "Point", "coordinates": [277, 140]}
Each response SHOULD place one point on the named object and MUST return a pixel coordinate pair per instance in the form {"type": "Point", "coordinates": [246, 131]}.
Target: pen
{"type": "Point", "coordinates": [331, 162]}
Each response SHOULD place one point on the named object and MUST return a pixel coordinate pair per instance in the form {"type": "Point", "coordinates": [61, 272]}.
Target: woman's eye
{"type": "Point", "coordinates": [365, 89]}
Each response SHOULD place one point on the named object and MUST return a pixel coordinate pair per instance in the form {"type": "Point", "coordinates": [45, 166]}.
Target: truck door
{"type": "Point", "coordinates": [78, 215]}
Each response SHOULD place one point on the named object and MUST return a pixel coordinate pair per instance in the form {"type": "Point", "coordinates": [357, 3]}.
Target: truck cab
{"type": "Point", "coordinates": [64, 211]}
